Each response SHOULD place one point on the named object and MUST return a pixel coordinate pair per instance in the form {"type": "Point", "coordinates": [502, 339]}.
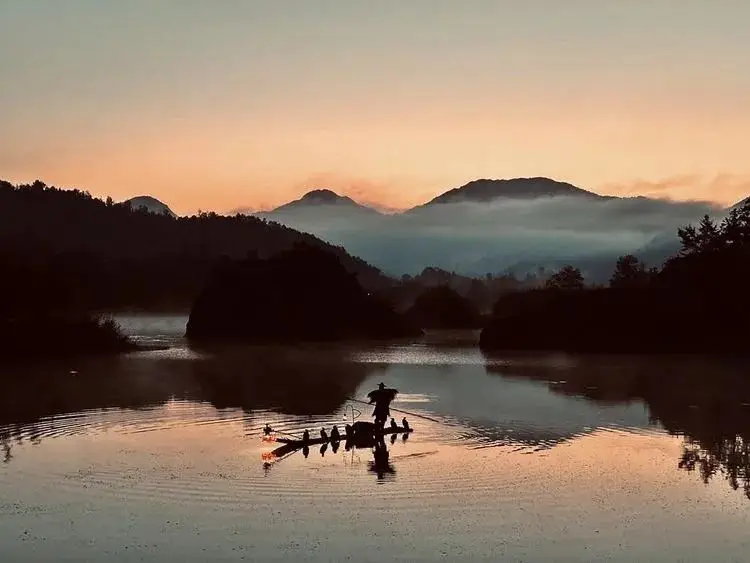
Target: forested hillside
{"type": "Point", "coordinates": [64, 249]}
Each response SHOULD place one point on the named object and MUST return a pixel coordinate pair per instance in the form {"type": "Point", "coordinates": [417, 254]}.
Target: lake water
{"type": "Point", "coordinates": [159, 456]}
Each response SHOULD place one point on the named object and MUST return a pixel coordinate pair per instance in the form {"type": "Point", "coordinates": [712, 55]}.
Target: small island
{"type": "Point", "coordinates": [303, 294]}
{"type": "Point", "coordinates": [60, 335]}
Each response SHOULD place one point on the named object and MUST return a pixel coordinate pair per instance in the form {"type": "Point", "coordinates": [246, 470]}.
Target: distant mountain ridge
{"type": "Point", "coordinates": [516, 224]}
{"type": "Point", "coordinates": [477, 191]}
{"type": "Point", "coordinates": [493, 226]}
{"type": "Point", "coordinates": [484, 190]}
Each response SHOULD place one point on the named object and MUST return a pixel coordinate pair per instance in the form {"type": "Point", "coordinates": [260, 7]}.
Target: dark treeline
{"type": "Point", "coordinates": [442, 307]}
{"type": "Point", "coordinates": [66, 256]}
{"type": "Point", "coordinates": [483, 292]}
{"type": "Point", "coordinates": [697, 302]}
{"type": "Point", "coordinates": [66, 253]}
{"type": "Point", "coordinates": [67, 249]}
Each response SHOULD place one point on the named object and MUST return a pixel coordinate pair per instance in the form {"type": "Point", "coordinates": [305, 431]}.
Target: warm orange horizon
{"type": "Point", "coordinates": [253, 105]}
{"type": "Point", "coordinates": [729, 189]}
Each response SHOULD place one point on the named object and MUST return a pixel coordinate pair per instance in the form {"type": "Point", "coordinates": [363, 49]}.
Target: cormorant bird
{"type": "Point", "coordinates": [405, 423]}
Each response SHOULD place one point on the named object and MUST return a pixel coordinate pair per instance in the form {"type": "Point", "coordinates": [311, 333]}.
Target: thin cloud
{"type": "Point", "coordinates": [724, 189]}
{"type": "Point", "coordinates": [363, 191]}
{"type": "Point", "coordinates": [476, 238]}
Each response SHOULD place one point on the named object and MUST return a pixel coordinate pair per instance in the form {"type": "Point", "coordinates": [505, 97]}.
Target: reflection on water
{"type": "Point", "coordinates": [706, 401]}
{"type": "Point", "coordinates": [381, 464]}
{"type": "Point", "coordinates": [299, 381]}
{"type": "Point", "coordinates": [521, 458]}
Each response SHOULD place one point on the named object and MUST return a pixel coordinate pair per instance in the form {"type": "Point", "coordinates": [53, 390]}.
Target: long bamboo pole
{"type": "Point", "coordinates": [402, 411]}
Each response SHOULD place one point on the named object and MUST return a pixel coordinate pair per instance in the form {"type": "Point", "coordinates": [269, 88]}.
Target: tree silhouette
{"type": "Point", "coordinates": [732, 233]}
{"type": "Point", "coordinates": [630, 272]}
{"type": "Point", "coordinates": [706, 237]}
{"type": "Point", "coordinates": [567, 278]}
{"type": "Point", "coordinates": [735, 228]}
{"type": "Point", "coordinates": [696, 303]}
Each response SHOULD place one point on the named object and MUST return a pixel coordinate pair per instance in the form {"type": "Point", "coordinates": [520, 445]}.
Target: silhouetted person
{"type": "Point", "coordinates": [348, 431]}
{"type": "Point", "coordinates": [305, 451]}
{"type": "Point", "coordinates": [394, 426]}
{"type": "Point", "coordinates": [335, 436]}
{"type": "Point", "coordinates": [335, 446]}
{"type": "Point", "coordinates": [323, 434]}
{"type": "Point", "coordinates": [382, 398]}
{"type": "Point", "coordinates": [323, 449]}
{"type": "Point", "coordinates": [405, 423]}
{"type": "Point", "coordinates": [305, 436]}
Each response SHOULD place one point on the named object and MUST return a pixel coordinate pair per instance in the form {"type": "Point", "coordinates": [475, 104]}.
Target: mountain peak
{"type": "Point", "coordinates": [322, 198]}
{"type": "Point", "coordinates": [484, 190]}
{"type": "Point", "coordinates": [150, 204]}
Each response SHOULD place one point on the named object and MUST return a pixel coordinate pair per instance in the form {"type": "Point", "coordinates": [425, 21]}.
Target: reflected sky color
{"type": "Point", "coordinates": [250, 104]}
{"type": "Point", "coordinates": [524, 457]}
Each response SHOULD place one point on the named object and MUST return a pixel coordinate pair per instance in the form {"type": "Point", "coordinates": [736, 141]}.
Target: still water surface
{"type": "Point", "coordinates": [158, 456]}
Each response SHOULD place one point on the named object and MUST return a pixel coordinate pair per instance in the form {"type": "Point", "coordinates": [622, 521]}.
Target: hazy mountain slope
{"type": "Point", "coordinates": [525, 224]}
{"type": "Point", "coordinates": [326, 212]}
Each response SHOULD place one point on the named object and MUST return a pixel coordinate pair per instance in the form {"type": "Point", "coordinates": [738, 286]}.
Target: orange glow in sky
{"type": "Point", "coordinates": [249, 105]}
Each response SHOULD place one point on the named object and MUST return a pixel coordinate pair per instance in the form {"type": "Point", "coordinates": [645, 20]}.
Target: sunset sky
{"type": "Point", "coordinates": [233, 103]}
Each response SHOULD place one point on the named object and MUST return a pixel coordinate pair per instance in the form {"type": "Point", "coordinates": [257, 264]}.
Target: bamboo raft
{"type": "Point", "coordinates": [356, 440]}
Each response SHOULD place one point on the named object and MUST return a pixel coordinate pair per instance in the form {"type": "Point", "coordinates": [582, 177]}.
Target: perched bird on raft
{"type": "Point", "coordinates": [359, 432]}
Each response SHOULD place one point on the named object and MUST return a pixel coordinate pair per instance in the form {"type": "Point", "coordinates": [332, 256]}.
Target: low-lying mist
{"type": "Point", "coordinates": [516, 234]}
